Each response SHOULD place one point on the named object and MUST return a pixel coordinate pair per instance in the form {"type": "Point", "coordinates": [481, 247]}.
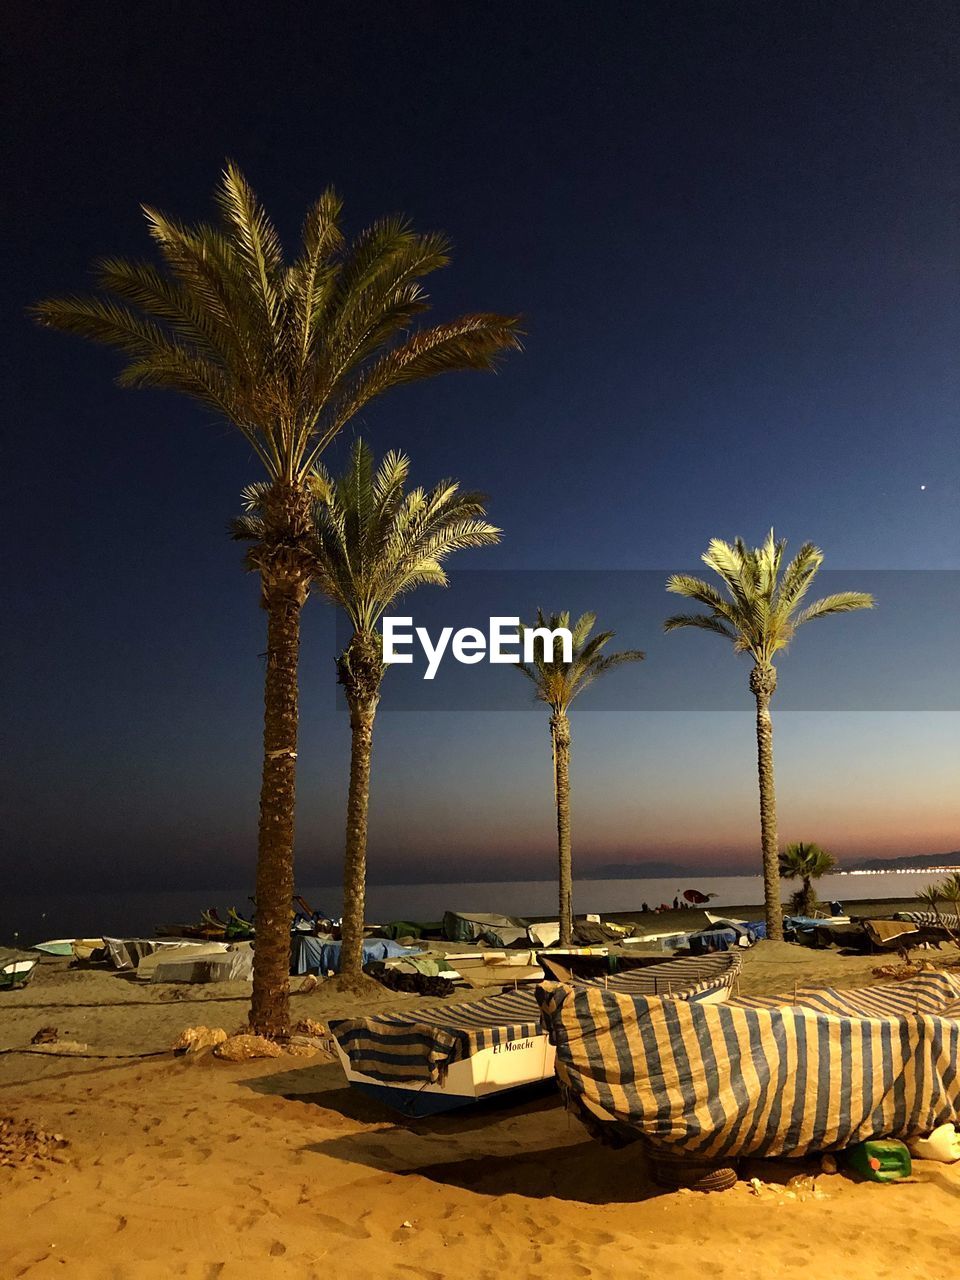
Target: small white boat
{"type": "Point", "coordinates": [493, 1070]}
{"type": "Point", "coordinates": [16, 973]}
{"type": "Point", "coordinates": [425, 1061]}
{"type": "Point", "coordinates": [57, 947]}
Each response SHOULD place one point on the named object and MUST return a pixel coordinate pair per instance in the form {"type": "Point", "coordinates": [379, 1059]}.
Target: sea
{"type": "Point", "coordinates": [27, 919]}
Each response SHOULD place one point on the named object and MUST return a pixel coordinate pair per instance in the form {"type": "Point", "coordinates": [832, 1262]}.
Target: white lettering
{"type": "Point", "coordinates": [500, 636]}
{"type": "Point", "coordinates": [469, 646]}
{"type": "Point", "coordinates": [549, 640]}
{"type": "Point", "coordinates": [434, 654]}
{"type": "Point", "coordinates": [392, 637]}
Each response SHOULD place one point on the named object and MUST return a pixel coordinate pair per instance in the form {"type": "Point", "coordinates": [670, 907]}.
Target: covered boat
{"type": "Point", "coordinates": [706, 977]}
{"type": "Point", "coordinates": [763, 1076]}
{"type": "Point", "coordinates": [205, 962]}
{"type": "Point", "coordinates": [422, 1061]}
{"type": "Point", "coordinates": [125, 954]}
{"type": "Point", "coordinates": [496, 931]}
{"type": "Point", "coordinates": [322, 955]}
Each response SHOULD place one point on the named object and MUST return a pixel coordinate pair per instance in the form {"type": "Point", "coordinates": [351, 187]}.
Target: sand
{"type": "Point", "coordinates": [196, 1168]}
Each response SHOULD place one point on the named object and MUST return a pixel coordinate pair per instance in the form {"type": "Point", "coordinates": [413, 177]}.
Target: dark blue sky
{"type": "Point", "coordinates": [732, 230]}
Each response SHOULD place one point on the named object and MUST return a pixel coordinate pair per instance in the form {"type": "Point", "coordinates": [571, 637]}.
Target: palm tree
{"type": "Point", "coordinates": [759, 614]}
{"type": "Point", "coordinates": [372, 543]}
{"type": "Point", "coordinates": [557, 683]}
{"type": "Point", "coordinates": [287, 353]}
{"type": "Point", "coordinates": [945, 891]}
{"type": "Point", "coordinates": [805, 861]}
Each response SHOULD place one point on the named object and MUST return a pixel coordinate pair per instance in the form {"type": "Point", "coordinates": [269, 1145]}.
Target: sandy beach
{"type": "Point", "coordinates": [193, 1167]}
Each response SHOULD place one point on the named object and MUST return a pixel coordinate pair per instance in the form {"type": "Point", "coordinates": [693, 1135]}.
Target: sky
{"type": "Point", "coordinates": [731, 230]}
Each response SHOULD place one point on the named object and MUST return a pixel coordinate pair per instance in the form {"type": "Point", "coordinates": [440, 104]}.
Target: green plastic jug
{"type": "Point", "coordinates": [880, 1159]}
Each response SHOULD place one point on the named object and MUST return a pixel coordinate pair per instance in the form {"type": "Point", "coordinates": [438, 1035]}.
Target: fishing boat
{"type": "Point", "coordinates": [425, 1061]}
{"type": "Point", "coordinates": [56, 947]}
{"type": "Point", "coordinates": [16, 973]}
{"type": "Point", "coordinates": [429, 1060]}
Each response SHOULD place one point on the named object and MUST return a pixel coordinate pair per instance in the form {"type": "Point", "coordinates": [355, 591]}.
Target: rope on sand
{"type": "Point", "coordinates": [113, 1057]}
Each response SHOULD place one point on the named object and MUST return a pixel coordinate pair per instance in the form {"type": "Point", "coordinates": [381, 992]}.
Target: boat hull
{"type": "Point", "coordinates": [488, 1072]}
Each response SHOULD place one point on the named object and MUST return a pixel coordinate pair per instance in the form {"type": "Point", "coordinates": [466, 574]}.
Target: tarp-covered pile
{"type": "Point", "coordinates": [125, 954]}
{"type": "Point", "coordinates": [761, 1075]}
{"type": "Point", "coordinates": [496, 931]}
{"type": "Point", "coordinates": [322, 955]}
{"type": "Point", "coordinates": [211, 962]}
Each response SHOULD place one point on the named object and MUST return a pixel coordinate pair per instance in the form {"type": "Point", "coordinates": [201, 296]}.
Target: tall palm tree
{"type": "Point", "coordinates": [287, 353]}
{"type": "Point", "coordinates": [557, 683]}
{"type": "Point", "coordinates": [372, 543]}
{"type": "Point", "coordinates": [760, 614]}
{"type": "Point", "coordinates": [806, 862]}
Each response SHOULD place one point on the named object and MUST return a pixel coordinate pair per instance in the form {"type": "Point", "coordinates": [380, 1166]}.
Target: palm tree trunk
{"type": "Point", "coordinates": [355, 855]}
{"type": "Point", "coordinates": [270, 1007]}
{"type": "Point", "coordinates": [360, 670]}
{"type": "Point", "coordinates": [560, 735]}
{"type": "Point", "coordinates": [763, 682]}
{"type": "Point", "coordinates": [809, 905]}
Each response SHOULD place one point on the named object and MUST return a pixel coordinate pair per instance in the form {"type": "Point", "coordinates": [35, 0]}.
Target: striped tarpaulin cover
{"type": "Point", "coordinates": [686, 977]}
{"type": "Point", "coordinates": [759, 1075]}
{"type": "Point", "coordinates": [930, 919]}
{"type": "Point", "coordinates": [420, 1044]}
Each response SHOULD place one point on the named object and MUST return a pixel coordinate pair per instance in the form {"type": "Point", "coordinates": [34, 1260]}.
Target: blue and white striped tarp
{"type": "Point", "coordinates": [930, 919]}
{"type": "Point", "coordinates": [419, 1044]}
{"type": "Point", "coordinates": [761, 1075]}
{"type": "Point", "coordinates": [686, 977]}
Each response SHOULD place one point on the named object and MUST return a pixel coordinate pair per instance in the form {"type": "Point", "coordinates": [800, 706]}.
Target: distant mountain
{"type": "Point", "coordinates": [919, 863]}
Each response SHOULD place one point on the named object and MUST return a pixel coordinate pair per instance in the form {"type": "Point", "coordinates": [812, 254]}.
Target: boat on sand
{"type": "Point", "coordinates": [428, 1060]}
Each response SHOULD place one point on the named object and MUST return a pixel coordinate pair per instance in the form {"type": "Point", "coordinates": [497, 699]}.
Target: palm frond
{"type": "Point", "coordinates": [286, 353]}
{"type": "Point", "coordinates": [558, 682]}
{"type": "Point", "coordinates": [760, 615]}
{"type": "Point", "coordinates": [702, 620]}
{"type": "Point", "coordinates": [256, 243]}
{"type": "Point", "coordinates": [375, 543]}
{"type": "Point", "coordinates": [841, 602]}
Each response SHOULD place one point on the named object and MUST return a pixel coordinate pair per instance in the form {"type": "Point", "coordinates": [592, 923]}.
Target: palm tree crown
{"type": "Point", "coordinates": [375, 542]}
{"type": "Point", "coordinates": [288, 352]}
{"type": "Point", "coordinates": [558, 682]}
{"type": "Point", "coordinates": [761, 611]}
{"type": "Point", "coordinates": [805, 860]}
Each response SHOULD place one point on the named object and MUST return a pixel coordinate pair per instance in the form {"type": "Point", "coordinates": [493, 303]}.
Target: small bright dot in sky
{"type": "Point", "coordinates": [922, 487]}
